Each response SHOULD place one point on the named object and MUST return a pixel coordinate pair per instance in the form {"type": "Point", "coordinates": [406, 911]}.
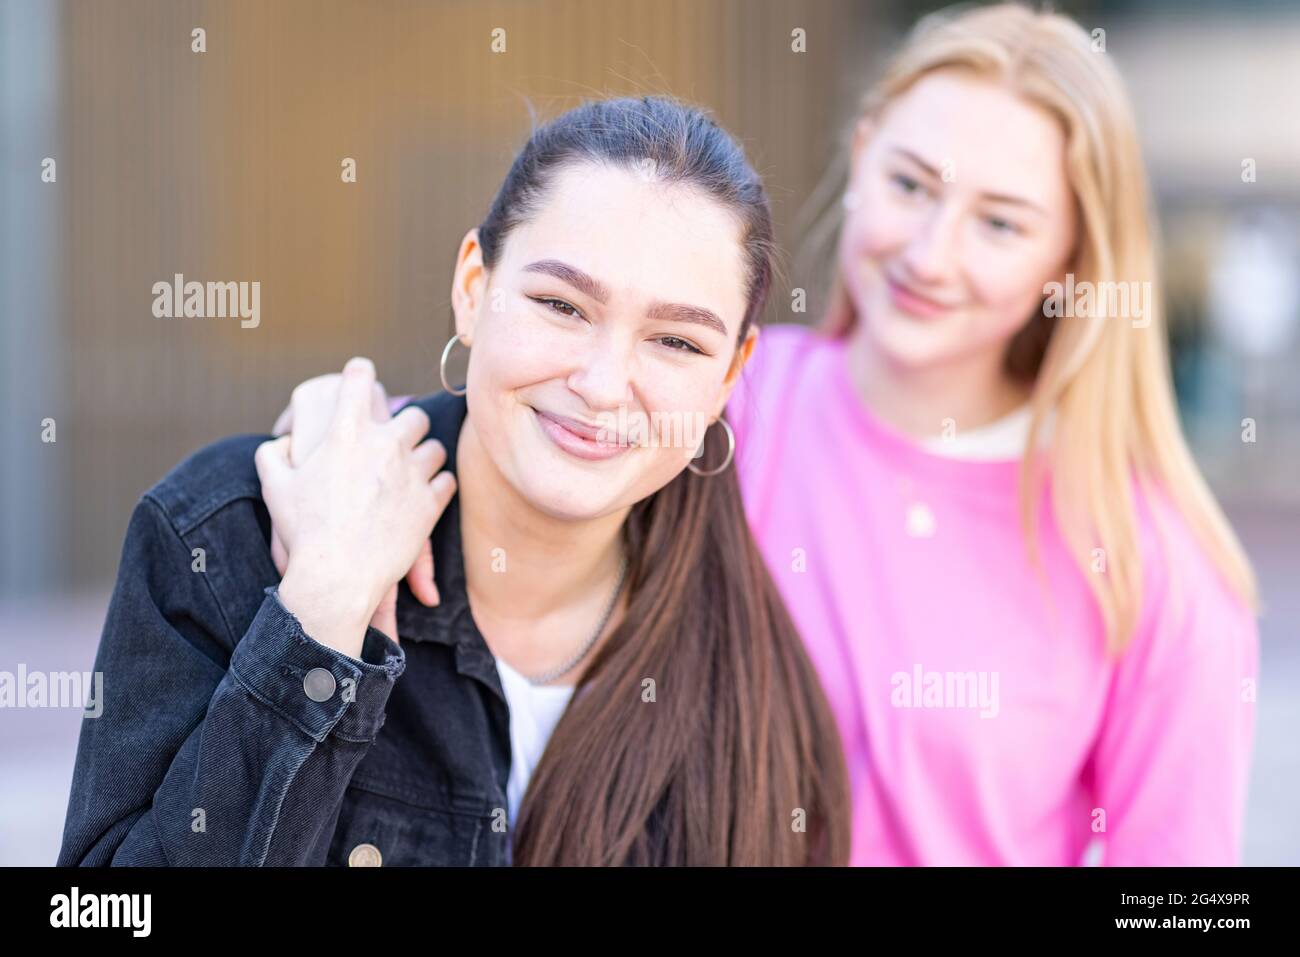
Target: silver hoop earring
{"type": "Point", "coordinates": [442, 366]}
{"type": "Point", "coordinates": [731, 451]}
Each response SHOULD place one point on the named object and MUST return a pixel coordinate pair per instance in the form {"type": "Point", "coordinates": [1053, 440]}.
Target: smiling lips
{"type": "Point", "coordinates": [578, 438]}
{"type": "Point", "coordinates": [913, 303]}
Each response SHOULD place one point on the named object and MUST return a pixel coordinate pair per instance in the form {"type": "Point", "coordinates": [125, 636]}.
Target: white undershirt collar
{"type": "Point", "coordinates": [1003, 438]}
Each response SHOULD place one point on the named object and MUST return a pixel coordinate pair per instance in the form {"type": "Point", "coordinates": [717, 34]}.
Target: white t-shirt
{"type": "Point", "coordinates": [534, 712]}
{"type": "Point", "coordinates": [1002, 439]}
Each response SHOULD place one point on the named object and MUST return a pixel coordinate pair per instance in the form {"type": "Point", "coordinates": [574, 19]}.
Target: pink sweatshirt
{"type": "Point", "coordinates": [981, 720]}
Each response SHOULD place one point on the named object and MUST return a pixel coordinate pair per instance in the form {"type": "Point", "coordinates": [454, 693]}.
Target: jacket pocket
{"type": "Point", "coordinates": [380, 829]}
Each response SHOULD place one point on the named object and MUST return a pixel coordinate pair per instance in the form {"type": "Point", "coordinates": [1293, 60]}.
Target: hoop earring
{"type": "Point", "coordinates": [442, 367]}
{"type": "Point", "coordinates": [731, 451]}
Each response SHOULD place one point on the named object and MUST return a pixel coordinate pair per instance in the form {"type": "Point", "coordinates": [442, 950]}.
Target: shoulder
{"type": "Point", "coordinates": [781, 352]}
{"type": "Point", "coordinates": [784, 343]}
{"type": "Point", "coordinates": [1174, 558]}
{"type": "Point", "coordinates": [205, 514]}
{"type": "Point", "coordinates": [1189, 608]}
{"type": "Point", "coordinates": [207, 480]}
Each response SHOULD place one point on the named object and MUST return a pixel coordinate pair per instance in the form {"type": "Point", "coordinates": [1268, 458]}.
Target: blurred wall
{"type": "Point", "coordinates": [226, 166]}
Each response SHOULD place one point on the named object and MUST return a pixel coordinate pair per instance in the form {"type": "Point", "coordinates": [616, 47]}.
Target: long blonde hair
{"type": "Point", "coordinates": [1106, 381]}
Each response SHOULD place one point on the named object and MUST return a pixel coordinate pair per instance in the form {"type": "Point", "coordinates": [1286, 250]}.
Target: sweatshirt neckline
{"type": "Point", "coordinates": [906, 449]}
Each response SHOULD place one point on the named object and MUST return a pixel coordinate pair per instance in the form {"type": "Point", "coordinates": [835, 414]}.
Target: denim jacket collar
{"type": "Point", "coordinates": [450, 622]}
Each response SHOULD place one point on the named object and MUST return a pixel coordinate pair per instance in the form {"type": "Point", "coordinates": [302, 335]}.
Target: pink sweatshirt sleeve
{"type": "Point", "coordinates": [397, 402]}
{"type": "Point", "coordinates": [1172, 759]}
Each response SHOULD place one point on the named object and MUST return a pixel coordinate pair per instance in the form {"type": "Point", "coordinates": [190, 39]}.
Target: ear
{"type": "Point", "coordinates": [468, 286]}
{"type": "Point", "coordinates": [738, 362]}
{"type": "Point", "coordinates": [862, 132]}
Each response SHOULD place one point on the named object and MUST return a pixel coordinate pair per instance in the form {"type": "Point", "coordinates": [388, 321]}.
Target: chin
{"type": "Point", "coordinates": [568, 500]}
{"type": "Point", "coordinates": [912, 355]}
{"type": "Point", "coordinates": [906, 342]}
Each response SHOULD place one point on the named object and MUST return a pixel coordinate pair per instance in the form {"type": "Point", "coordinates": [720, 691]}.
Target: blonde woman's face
{"type": "Point", "coordinates": [959, 211]}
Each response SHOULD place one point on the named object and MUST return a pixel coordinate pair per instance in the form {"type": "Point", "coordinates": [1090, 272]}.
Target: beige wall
{"type": "Point", "coordinates": [226, 166]}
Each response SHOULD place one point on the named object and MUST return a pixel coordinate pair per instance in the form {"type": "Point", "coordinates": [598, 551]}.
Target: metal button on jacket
{"type": "Point", "coordinates": [365, 855]}
{"type": "Point", "coordinates": [319, 684]}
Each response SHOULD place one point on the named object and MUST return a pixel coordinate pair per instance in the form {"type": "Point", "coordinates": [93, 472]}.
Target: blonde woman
{"type": "Point", "coordinates": [1034, 625]}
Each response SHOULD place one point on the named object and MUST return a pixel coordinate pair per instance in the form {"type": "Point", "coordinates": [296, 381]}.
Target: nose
{"type": "Point", "coordinates": [930, 256]}
{"type": "Point", "coordinates": [604, 375]}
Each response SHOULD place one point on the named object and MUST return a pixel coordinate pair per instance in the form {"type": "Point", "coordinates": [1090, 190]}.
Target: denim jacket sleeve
{"type": "Point", "coordinates": [209, 749]}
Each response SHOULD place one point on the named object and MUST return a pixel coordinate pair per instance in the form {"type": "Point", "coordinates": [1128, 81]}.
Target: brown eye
{"type": "Point", "coordinates": [680, 345]}
{"type": "Point", "coordinates": [558, 305]}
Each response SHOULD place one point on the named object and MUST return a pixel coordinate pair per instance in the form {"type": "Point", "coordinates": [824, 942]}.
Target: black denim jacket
{"type": "Point", "coordinates": [212, 748]}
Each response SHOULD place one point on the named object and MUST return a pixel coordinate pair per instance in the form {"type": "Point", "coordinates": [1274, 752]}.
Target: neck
{"type": "Point", "coordinates": [972, 391]}
{"type": "Point", "coordinates": [557, 573]}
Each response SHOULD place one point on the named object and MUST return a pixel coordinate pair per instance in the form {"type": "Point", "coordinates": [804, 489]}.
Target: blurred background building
{"type": "Point", "coordinates": [225, 165]}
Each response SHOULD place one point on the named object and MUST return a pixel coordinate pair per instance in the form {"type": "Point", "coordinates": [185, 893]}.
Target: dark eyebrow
{"type": "Point", "coordinates": [590, 286]}
{"type": "Point", "coordinates": [995, 197]}
{"type": "Point", "coordinates": [676, 312]}
{"type": "Point", "coordinates": [573, 276]}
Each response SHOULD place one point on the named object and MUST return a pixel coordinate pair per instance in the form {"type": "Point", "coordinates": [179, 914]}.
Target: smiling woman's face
{"type": "Point", "coordinates": [963, 213]}
{"type": "Point", "coordinates": [619, 302]}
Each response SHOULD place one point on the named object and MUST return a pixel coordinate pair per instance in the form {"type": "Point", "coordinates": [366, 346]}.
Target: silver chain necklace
{"type": "Point", "coordinates": [546, 677]}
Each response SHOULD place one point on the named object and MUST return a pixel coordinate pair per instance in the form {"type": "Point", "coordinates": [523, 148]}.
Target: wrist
{"type": "Point", "coordinates": [335, 613]}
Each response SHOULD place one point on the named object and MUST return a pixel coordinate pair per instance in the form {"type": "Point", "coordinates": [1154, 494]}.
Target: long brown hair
{"type": "Point", "coordinates": [699, 734]}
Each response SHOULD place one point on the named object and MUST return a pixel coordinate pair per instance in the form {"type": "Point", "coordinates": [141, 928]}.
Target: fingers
{"type": "Point", "coordinates": [379, 403]}
{"type": "Point", "coordinates": [420, 577]}
{"type": "Point", "coordinates": [285, 422]}
{"type": "Point", "coordinates": [354, 404]}
{"type": "Point", "coordinates": [272, 459]}
{"type": "Point", "coordinates": [411, 425]}
{"type": "Point", "coordinates": [444, 487]}
{"type": "Point", "coordinates": [312, 407]}
{"type": "Point", "coordinates": [429, 456]}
